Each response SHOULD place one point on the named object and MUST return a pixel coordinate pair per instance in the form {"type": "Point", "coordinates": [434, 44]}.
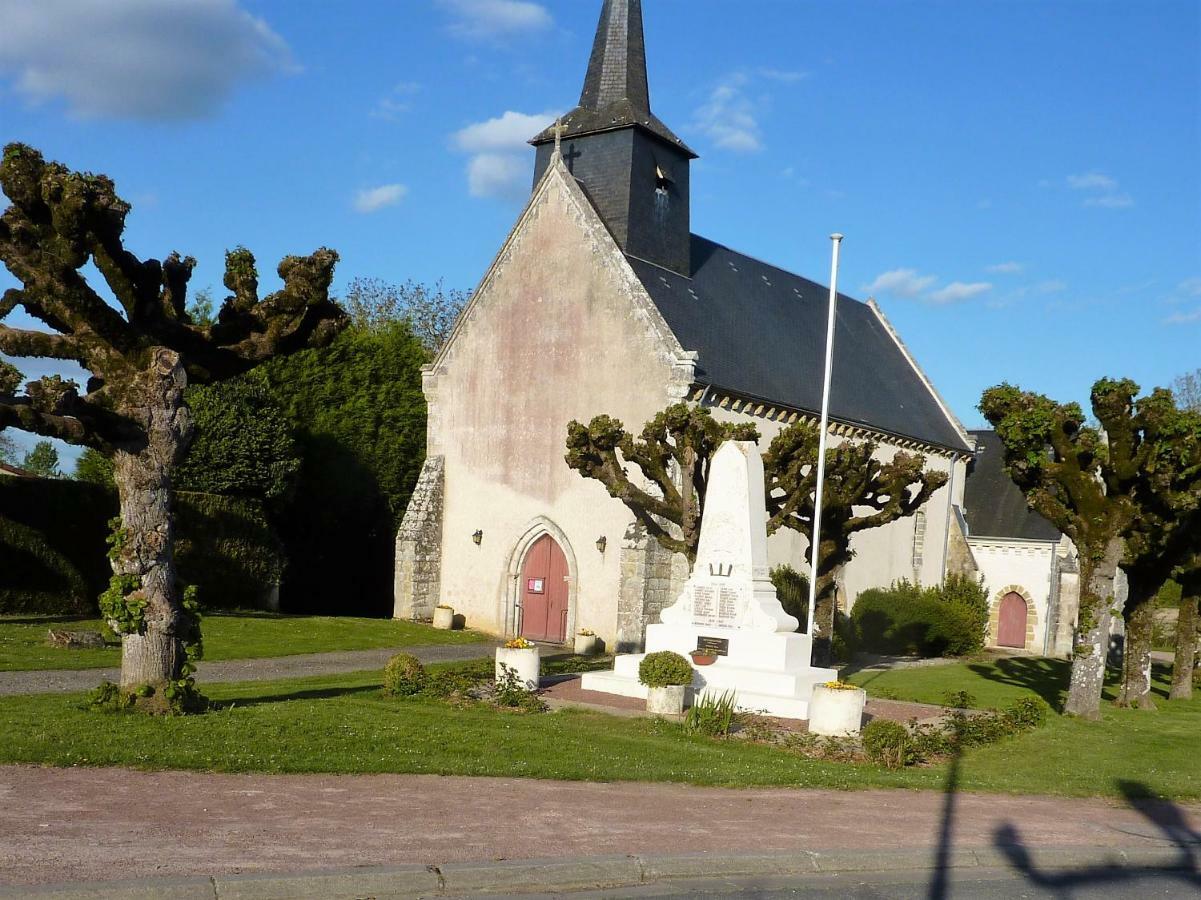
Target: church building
{"type": "Point", "coordinates": [602, 301]}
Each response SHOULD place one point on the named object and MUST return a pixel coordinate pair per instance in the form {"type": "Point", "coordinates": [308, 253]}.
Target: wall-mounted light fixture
{"type": "Point", "coordinates": [478, 537]}
{"type": "Point", "coordinates": [601, 543]}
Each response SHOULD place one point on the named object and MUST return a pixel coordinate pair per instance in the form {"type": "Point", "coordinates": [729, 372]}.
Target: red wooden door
{"type": "Point", "coordinates": [1011, 629]}
{"type": "Point", "coordinates": [544, 592]}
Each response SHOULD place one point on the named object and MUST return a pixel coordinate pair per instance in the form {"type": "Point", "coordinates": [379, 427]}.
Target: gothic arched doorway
{"type": "Point", "coordinates": [544, 591]}
{"type": "Point", "coordinates": [1011, 623]}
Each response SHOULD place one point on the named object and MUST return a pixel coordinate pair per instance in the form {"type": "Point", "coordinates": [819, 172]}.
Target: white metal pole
{"type": "Point", "coordinates": [823, 434]}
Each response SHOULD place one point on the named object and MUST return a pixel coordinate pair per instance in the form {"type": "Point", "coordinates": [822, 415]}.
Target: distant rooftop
{"type": "Point", "coordinates": [993, 505]}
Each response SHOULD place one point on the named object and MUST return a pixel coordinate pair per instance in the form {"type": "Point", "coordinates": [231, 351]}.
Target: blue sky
{"type": "Point", "coordinates": [1018, 182]}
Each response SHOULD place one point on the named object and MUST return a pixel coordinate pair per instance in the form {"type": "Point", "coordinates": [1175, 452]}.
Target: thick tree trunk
{"type": "Point", "coordinates": [1184, 664]}
{"type": "Point", "coordinates": [1092, 631]}
{"type": "Point", "coordinates": [154, 655]}
{"type": "Point", "coordinates": [1136, 660]}
{"type": "Point", "coordinates": [824, 615]}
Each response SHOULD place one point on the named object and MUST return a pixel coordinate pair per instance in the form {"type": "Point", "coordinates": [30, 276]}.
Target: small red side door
{"type": "Point", "coordinates": [1011, 629]}
{"type": "Point", "coordinates": [544, 591]}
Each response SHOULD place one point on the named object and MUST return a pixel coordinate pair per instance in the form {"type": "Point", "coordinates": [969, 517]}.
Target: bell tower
{"type": "Point", "coordinates": [631, 165]}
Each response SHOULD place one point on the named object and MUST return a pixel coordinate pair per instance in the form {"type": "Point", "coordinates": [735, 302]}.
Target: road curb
{"type": "Point", "coordinates": [548, 875]}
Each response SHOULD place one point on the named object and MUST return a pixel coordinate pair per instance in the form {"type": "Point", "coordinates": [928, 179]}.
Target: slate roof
{"type": "Point", "coordinates": [993, 505]}
{"type": "Point", "coordinates": [760, 332]}
{"type": "Point", "coordinates": [616, 93]}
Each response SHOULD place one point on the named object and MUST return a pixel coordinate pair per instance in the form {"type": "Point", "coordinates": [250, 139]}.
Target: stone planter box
{"type": "Point", "coordinates": [526, 663]}
{"type": "Point", "coordinates": [666, 701]}
{"type": "Point", "coordinates": [586, 644]}
{"type": "Point", "coordinates": [444, 618]}
{"type": "Point", "coordinates": [836, 713]}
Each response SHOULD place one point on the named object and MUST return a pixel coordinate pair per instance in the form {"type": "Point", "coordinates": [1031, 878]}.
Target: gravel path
{"type": "Point", "coordinates": [64, 681]}
{"type": "Point", "coordinates": [96, 824]}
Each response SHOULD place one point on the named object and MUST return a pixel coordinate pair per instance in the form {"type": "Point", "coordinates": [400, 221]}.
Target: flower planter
{"type": "Point", "coordinates": [525, 663]}
{"type": "Point", "coordinates": [703, 659]}
{"type": "Point", "coordinates": [586, 644]}
{"type": "Point", "coordinates": [836, 712]}
{"type": "Point", "coordinates": [444, 618]}
{"type": "Point", "coordinates": [666, 701]}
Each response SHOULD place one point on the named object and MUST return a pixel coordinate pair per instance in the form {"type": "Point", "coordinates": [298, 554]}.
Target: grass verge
{"type": "Point", "coordinates": [344, 724]}
{"type": "Point", "coordinates": [246, 635]}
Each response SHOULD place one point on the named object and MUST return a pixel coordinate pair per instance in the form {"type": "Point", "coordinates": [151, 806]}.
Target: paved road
{"type": "Point", "coordinates": [62, 681]}
{"type": "Point", "coordinates": [70, 825]}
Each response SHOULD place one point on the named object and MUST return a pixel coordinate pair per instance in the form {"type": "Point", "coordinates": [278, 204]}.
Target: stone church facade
{"type": "Point", "coordinates": [602, 301]}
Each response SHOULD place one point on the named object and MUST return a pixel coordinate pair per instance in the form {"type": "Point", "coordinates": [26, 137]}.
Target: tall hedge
{"type": "Point", "coordinates": [52, 547]}
{"type": "Point", "coordinates": [358, 416]}
{"type": "Point", "coordinates": [947, 620]}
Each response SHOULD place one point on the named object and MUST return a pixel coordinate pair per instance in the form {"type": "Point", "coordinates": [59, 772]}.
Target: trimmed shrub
{"type": "Point", "coordinates": [38, 579]}
{"type": "Point", "coordinates": [948, 620]}
{"type": "Point", "coordinates": [227, 548]}
{"type": "Point", "coordinates": [888, 744]}
{"type": "Point", "coordinates": [664, 669]}
{"type": "Point", "coordinates": [792, 588]}
{"type": "Point", "coordinates": [404, 676]}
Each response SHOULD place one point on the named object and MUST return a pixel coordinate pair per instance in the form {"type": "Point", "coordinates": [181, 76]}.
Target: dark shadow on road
{"type": "Point", "coordinates": [1166, 816]}
{"type": "Point", "coordinates": [941, 885]}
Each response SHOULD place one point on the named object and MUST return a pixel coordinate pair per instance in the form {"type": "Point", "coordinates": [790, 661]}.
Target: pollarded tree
{"type": "Point", "coordinates": [1165, 537]}
{"type": "Point", "coordinates": [860, 493]}
{"type": "Point", "coordinates": [1081, 479]}
{"type": "Point", "coordinates": [141, 356]}
{"type": "Point", "coordinates": [673, 452]}
{"type": "Point", "coordinates": [1187, 625]}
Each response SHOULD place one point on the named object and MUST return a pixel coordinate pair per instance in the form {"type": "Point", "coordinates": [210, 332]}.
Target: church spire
{"type": "Point", "coordinates": [616, 92]}
{"type": "Point", "coordinates": [617, 69]}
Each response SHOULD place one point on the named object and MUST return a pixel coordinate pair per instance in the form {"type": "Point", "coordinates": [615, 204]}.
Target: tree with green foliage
{"type": "Point", "coordinates": [203, 310]}
{"type": "Point", "coordinates": [8, 450]}
{"type": "Point", "coordinates": [358, 416]}
{"type": "Point", "coordinates": [1187, 389]}
{"type": "Point", "coordinates": [95, 468]}
{"type": "Point", "coordinates": [860, 493]}
{"type": "Point", "coordinates": [430, 312]}
{"type": "Point", "coordinates": [142, 354]}
{"type": "Point", "coordinates": [673, 452]}
{"type": "Point", "coordinates": [1079, 479]}
{"type": "Point", "coordinates": [42, 461]}
{"type": "Point", "coordinates": [243, 445]}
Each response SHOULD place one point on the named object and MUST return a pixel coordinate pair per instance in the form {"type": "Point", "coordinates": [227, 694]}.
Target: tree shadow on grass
{"type": "Point", "coordinates": [1168, 818]}
{"type": "Point", "coordinates": [311, 694]}
{"type": "Point", "coordinates": [1046, 677]}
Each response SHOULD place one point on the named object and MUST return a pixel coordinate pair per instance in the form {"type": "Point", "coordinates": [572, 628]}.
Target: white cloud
{"type": "Point", "coordinates": [1190, 286]}
{"type": "Point", "coordinates": [901, 283]}
{"type": "Point", "coordinates": [1110, 201]}
{"type": "Point", "coordinates": [728, 117]}
{"type": "Point", "coordinates": [500, 164]}
{"type": "Point", "coordinates": [1102, 191]}
{"type": "Point", "coordinates": [959, 290]}
{"type": "Point", "coordinates": [1092, 181]}
{"type": "Point", "coordinates": [1005, 268]}
{"type": "Point", "coordinates": [374, 199]}
{"type": "Point", "coordinates": [496, 19]}
{"type": "Point", "coordinates": [136, 59]}
{"type": "Point", "coordinates": [397, 101]}
{"type": "Point", "coordinates": [1183, 318]}
{"type": "Point", "coordinates": [1051, 286]}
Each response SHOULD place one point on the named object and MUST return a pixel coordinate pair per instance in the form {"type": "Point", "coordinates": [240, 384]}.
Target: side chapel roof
{"type": "Point", "coordinates": [761, 331]}
{"type": "Point", "coordinates": [993, 505]}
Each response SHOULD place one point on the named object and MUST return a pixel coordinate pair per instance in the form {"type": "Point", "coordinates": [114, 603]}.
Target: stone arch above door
{"type": "Point", "coordinates": [510, 603]}
{"type": "Point", "coordinates": [994, 616]}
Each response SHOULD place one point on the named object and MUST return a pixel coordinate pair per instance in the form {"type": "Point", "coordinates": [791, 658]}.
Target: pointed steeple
{"type": "Point", "coordinates": [617, 69]}
{"type": "Point", "coordinates": [616, 92]}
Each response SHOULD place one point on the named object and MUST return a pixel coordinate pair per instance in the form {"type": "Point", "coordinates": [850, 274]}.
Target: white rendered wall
{"type": "Point", "coordinates": [1027, 565]}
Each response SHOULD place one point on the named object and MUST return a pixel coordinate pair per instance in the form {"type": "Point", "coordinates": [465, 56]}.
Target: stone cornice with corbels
{"type": "Point", "coordinates": [720, 398]}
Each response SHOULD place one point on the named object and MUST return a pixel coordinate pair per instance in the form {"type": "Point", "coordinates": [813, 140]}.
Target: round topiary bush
{"type": "Point", "coordinates": [887, 743]}
{"type": "Point", "coordinates": [663, 669]}
{"type": "Point", "coordinates": [404, 675]}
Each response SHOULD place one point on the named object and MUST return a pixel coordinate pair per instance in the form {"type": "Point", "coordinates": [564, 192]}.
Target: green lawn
{"type": "Point", "coordinates": [343, 724]}
{"type": "Point", "coordinates": [246, 635]}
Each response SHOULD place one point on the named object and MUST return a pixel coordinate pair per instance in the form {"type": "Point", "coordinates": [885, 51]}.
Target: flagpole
{"type": "Point", "coordinates": [823, 434]}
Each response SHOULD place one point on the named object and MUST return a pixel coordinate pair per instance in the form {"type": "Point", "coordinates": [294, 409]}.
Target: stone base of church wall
{"type": "Point", "coordinates": [419, 546]}
{"type": "Point", "coordinates": [650, 581]}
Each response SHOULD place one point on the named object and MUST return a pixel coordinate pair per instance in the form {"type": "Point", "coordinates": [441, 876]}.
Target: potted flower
{"type": "Point", "coordinates": [444, 617]}
{"type": "Point", "coordinates": [836, 708]}
{"type": "Point", "coordinates": [703, 657]}
{"type": "Point", "coordinates": [668, 676]}
{"type": "Point", "coordinates": [586, 642]}
{"type": "Point", "coordinates": [520, 657]}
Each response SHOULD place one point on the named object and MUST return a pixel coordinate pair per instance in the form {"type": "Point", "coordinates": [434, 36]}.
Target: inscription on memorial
{"type": "Point", "coordinates": [704, 605]}
{"type": "Point", "coordinates": [727, 605]}
{"type": "Point", "coordinates": [716, 646]}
